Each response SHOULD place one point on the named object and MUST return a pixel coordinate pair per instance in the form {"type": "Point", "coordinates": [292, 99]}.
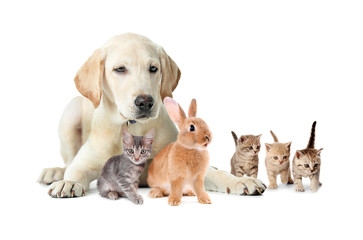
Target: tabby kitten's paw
{"type": "Point", "coordinates": [299, 189]}
{"type": "Point", "coordinates": [137, 200]}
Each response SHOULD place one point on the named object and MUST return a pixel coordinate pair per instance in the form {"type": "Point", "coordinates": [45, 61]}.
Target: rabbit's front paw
{"type": "Point", "coordinates": [173, 201]}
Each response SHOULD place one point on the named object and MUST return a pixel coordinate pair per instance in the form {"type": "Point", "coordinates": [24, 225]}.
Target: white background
{"type": "Point", "coordinates": [252, 66]}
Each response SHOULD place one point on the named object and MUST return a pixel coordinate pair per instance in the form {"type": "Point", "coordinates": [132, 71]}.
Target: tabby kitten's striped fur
{"type": "Point", "coordinates": [306, 163]}
{"type": "Point", "coordinates": [245, 159]}
{"type": "Point", "coordinates": [277, 162]}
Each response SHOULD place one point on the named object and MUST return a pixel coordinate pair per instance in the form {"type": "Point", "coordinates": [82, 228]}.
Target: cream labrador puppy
{"type": "Point", "coordinates": [123, 84]}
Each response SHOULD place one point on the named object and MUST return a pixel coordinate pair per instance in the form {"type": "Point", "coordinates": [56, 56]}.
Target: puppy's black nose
{"type": "Point", "coordinates": [144, 102]}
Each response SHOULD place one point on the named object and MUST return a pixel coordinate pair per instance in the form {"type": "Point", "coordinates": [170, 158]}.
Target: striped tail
{"type": "Point", "coordinates": [235, 138]}
{"type": "Point", "coordinates": [274, 136]}
{"type": "Point", "coordinates": [312, 137]}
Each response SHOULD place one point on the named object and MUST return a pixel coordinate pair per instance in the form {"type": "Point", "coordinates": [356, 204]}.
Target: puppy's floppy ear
{"type": "Point", "coordinates": [89, 77]}
{"type": "Point", "coordinates": [170, 75]}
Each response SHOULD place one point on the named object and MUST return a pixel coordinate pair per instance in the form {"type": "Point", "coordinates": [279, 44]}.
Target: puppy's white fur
{"type": "Point", "coordinates": [90, 127]}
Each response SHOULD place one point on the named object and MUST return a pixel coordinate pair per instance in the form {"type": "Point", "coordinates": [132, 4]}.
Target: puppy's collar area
{"type": "Point", "coordinates": [130, 122]}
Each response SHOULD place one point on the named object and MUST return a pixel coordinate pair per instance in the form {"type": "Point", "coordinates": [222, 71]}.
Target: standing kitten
{"type": "Point", "coordinates": [306, 163]}
{"type": "Point", "coordinates": [245, 159]}
{"type": "Point", "coordinates": [120, 175]}
{"type": "Point", "coordinates": [277, 162]}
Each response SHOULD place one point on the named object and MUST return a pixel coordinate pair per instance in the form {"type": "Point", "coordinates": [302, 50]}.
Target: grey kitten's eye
{"type": "Point", "coordinates": [143, 151]}
{"type": "Point", "coordinates": [192, 128]}
{"type": "Point", "coordinates": [153, 69]}
{"type": "Point", "coordinates": [120, 69]}
{"type": "Point", "coordinates": [275, 157]}
{"type": "Point", "coordinates": [306, 165]}
{"type": "Point", "coordinates": [131, 151]}
{"type": "Point", "coordinates": [284, 157]}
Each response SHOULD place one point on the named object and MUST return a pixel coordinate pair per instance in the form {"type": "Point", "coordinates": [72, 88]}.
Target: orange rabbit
{"type": "Point", "coordinates": [179, 169]}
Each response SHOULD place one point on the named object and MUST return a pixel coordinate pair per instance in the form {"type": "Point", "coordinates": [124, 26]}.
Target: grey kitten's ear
{"type": "Point", "coordinates": [299, 154]}
{"type": "Point", "coordinates": [149, 137]}
{"type": "Point", "coordinates": [235, 138]}
{"type": "Point", "coordinates": [127, 137]}
{"type": "Point", "coordinates": [319, 151]}
{"type": "Point", "coordinates": [268, 146]}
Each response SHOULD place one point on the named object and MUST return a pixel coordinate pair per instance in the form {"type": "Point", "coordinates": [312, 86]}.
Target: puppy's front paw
{"type": "Point", "coordinates": [66, 189]}
{"type": "Point", "coordinates": [247, 186]}
{"type": "Point", "coordinates": [50, 175]}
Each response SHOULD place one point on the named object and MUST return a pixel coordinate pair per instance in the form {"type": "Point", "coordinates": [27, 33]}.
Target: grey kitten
{"type": "Point", "coordinates": [120, 175]}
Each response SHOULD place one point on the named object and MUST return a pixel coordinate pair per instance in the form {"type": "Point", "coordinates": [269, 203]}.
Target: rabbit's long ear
{"type": "Point", "coordinates": [175, 112]}
{"type": "Point", "coordinates": [193, 108]}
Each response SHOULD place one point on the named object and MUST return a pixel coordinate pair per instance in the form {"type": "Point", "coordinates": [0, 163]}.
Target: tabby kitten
{"type": "Point", "coordinates": [306, 163]}
{"type": "Point", "coordinates": [277, 162]}
{"type": "Point", "coordinates": [120, 175]}
{"type": "Point", "coordinates": [245, 159]}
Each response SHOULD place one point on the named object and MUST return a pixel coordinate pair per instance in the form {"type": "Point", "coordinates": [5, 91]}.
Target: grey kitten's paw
{"type": "Point", "coordinates": [248, 186]}
{"type": "Point", "coordinates": [137, 200]}
{"type": "Point", "coordinates": [65, 189]}
{"type": "Point", "coordinates": [50, 175]}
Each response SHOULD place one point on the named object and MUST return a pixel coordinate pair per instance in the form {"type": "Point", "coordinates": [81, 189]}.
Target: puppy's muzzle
{"type": "Point", "coordinates": [144, 105]}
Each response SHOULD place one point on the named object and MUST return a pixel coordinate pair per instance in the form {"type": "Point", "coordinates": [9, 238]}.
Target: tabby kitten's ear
{"type": "Point", "coordinates": [299, 154]}
{"type": "Point", "coordinates": [242, 139]}
{"type": "Point", "coordinates": [127, 137]}
{"type": "Point", "coordinates": [148, 138]}
{"type": "Point", "coordinates": [268, 146]}
{"type": "Point", "coordinates": [259, 136]}
{"type": "Point", "coordinates": [319, 151]}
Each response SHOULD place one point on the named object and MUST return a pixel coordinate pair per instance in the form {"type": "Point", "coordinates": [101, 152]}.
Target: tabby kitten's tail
{"type": "Point", "coordinates": [312, 136]}
{"type": "Point", "coordinates": [235, 138]}
{"type": "Point", "coordinates": [274, 136]}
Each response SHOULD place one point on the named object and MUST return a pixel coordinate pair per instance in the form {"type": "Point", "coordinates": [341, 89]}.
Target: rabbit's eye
{"type": "Point", "coordinates": [192, 128]}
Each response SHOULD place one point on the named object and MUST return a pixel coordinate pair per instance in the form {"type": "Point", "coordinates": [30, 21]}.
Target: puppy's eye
{"type": "Point", "coordinates": [130, 151]}
{"type": "Point", "coordinates": [120, 69]}
{"type": "Point", "coordinates": [306, 165]}
{"type": "Point", "coordinates": [153, 69]}
{"type": "Point", "coordinates": [143, 151]}
{"type": "Point", "coordinates": [192, 128]}
{"type": "Point", "coordinates": [275, 157]}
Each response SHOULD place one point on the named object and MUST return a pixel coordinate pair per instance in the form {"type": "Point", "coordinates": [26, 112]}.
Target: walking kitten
{"type": "Point", "coordinates": [245, 159]}
{"type": "Point", "coordinates": [120, 175]}
{"type": "Point", "coordinates": [306, 163]}
{"type": "Point", "coordinates": [277, 162]}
